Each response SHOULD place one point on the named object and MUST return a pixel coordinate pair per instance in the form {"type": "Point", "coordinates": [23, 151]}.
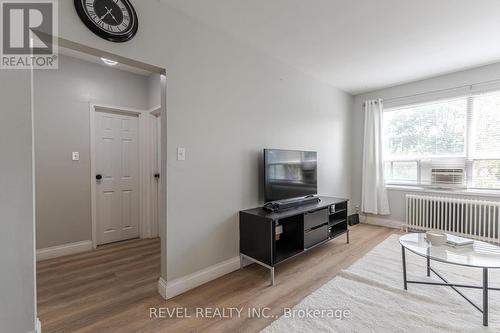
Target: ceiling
{"type": "Point", "coordinates": [361, 45]}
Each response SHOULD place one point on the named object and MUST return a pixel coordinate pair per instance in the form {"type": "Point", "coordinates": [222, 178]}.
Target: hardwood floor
{"type": "Point", "coordinates": [113, 288]}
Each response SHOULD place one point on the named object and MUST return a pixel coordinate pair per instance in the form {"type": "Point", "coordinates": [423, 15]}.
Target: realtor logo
{"type": "Point", "coordinates": [28, 30]}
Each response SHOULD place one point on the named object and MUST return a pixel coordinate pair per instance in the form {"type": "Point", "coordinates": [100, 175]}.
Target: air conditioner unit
{"type": "Point", "coordinates": [444, 173]}
{"type": "Point", "coordinates": [445, 177]}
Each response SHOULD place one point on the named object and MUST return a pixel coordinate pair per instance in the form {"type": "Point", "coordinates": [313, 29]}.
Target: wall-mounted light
{"type": "Point", "coordinates": [109, 62]}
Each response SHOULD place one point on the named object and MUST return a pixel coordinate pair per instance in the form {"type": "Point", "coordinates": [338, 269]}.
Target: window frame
{"type": "Point", "coordinates": [468, 155]}
{"type": "Point", "coordinates": [409, 183]}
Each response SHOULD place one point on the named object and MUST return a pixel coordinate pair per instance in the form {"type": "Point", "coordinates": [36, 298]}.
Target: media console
{"type": "Point", "coordinates": [269, 238]}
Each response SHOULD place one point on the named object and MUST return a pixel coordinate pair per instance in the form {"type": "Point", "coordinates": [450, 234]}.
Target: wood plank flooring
{"type": "Point", "coordinates": [113, 288]}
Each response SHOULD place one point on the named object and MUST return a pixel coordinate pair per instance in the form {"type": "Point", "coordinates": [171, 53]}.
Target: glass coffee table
{"type": "Point", "coordinates": [479, 255]}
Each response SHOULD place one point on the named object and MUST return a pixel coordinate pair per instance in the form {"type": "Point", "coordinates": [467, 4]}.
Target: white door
{"type": "Point", "coordinates": [117, 177]}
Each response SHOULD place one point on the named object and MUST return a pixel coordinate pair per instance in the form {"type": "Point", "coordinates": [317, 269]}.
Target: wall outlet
{"type": "Point", "coordinates": [75, 156]}
{"type": "Point", "coordinates": [181, 154]}
{"type": "Point", "coordinates": [357, 208]}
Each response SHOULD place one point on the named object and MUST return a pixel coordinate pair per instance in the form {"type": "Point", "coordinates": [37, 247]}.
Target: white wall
{"type": "Point", "coordinates": [154, 91]}
{"type": "Point", "coordinates": [62, 126]}
{"type": "Point", "coordinates": [224, 139]}
{"type": "Point", "coordinates": [458, 79]}
{"type": "Point", "coordinates": [17, 278]}
{"type": "Point", "coordinates": [225, 102]}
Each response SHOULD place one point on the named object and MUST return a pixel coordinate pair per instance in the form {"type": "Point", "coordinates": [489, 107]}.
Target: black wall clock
{"type": "Point", "coordinates": [114, 20]}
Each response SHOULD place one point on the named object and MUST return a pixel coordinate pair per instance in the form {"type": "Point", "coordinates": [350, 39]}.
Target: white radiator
{"type": "Point", "coordinates": [477, 219]}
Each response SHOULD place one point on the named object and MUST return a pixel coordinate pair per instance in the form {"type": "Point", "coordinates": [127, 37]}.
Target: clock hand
{"type": "Point", "coordinates": [102, 17]}
{"type": "Point", "coordinates": [114, 18]}
{"type": "Point", "coordinates": [108, 11]}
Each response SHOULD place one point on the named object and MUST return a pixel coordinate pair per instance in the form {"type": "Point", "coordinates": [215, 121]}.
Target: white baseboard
{"type": "Point", "coordinates": [38, 326]}
{"type": "Point", "coordinates": [63, 250]}
{"type": "Point", "coordinates": [162, 288]}
{"type": "Point", "coordinates": [169, 289]}
{"type": "Point", "coordinates": [382, 222]}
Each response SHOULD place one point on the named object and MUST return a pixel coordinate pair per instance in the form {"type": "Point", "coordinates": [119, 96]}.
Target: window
{"type": "Point", "coordinates": [485, 141]}
{"type": "Point", "coordinates": [433, 130]}
{"type": "Point", "coordinates": [403, 172]}
{"type": "Point", "coordinates": [444, 143]}
{"type": "Point", "coordinates": [486, 174]}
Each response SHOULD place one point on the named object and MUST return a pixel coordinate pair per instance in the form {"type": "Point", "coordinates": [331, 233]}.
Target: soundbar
{"type": "Point", "coordinates": [276, 206]}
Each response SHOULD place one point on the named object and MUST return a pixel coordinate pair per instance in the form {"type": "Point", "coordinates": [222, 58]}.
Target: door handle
{"type": "Point", "coordinates": [98, 177]}
{"type": "Point", "coordinates": [157, 175]}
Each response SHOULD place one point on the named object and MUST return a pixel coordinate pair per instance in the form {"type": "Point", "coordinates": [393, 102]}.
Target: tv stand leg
{"type": "Point", "coordinates": [347, 235]}
{"type": "Point", "coordinates": [271, 268]}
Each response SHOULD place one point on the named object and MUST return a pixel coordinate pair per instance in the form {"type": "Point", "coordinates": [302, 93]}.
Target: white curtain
{"type": "Point", "coordinates": [373, 193]}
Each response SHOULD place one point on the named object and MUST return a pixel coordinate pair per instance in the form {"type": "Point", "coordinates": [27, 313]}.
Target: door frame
{"type": "Point", "coordinates": [156, 157]}
{"type": "Point", "coordinates": [146, 155]}
{"type": "Point", "coordinates": [162, 207]}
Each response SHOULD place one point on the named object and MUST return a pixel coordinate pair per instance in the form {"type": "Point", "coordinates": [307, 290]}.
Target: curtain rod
{"type": "Point", "coordinates": [437, 91]}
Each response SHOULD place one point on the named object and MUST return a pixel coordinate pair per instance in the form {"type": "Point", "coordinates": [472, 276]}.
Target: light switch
{"type": "Point", "coordinates": [76, 156]}
{"type": "Point", "coordinates": [181, 154]}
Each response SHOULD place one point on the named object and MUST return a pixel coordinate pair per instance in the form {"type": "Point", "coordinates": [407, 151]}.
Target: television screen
{"type": "Point", "coordinates": [289, 174]}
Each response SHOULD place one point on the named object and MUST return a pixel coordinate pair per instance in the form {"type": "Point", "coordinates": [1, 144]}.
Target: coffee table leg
{"type": "Point", "coordinates": [404, 267]}
{"type": "Point", "coordinates": [428, 266]}
{"type": "Point", "coordinates": [485, 296]}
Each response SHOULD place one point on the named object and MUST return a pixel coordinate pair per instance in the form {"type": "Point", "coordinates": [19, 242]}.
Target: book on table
{"type": "Point", "coordinates": [457, 241]}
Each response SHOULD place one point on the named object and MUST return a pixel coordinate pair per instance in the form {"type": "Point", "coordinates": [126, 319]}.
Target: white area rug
{"type": "Point", "coordinates": [372, 289]}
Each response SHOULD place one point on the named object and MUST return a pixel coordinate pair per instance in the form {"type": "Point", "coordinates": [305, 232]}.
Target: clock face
{"type": "Point", "coordinates": [114, 20]}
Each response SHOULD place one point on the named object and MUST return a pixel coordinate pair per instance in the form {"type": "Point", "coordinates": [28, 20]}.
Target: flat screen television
{"type": "Point", "coordinates": [289, 174]}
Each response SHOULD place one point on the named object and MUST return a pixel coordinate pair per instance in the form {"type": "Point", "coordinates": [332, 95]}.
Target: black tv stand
{"type": "Point", "coordinates": [269, 238]}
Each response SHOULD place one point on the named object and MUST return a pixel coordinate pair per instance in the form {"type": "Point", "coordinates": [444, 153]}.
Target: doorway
{"type": "Point", "coordinates": [98, 185]}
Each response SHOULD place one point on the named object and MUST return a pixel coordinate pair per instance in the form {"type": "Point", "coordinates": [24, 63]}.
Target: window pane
{"type": "Point", "coordinates": [486, 126]}
{"type": "Point", "coordinates": [401, 172]}
{"type": "Point", "coordinates": [486, 174]}
{"type": "Point", "coordinates": [436, 129]}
